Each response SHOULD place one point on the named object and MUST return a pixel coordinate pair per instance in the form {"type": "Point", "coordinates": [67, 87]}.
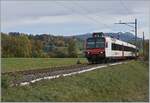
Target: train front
{"type": "Point", "coordinates": [95, 48]}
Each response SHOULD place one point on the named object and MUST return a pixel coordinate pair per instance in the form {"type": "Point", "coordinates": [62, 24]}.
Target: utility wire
{"type": "Point", "coordinates": [128, 11]}
{"type": "Point", "coordinates": [87, 11]}
{"type": "Point", "coordinates": [87, 16]}
{"type": "Point", "coordinates": [91, 18]}
{"type": "Point", "coordinates": [125, 7]}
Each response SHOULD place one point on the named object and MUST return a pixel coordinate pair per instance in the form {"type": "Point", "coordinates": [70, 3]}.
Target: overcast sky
{"type": "Point", "coordinates": [74, 17]}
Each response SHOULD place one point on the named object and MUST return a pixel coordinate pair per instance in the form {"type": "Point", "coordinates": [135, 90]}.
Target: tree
{"type": "Point", "coordinates": [15, 46]}
{"type": "Point", "coordinates": [72, 50]}
{"type": "Point", "coordinates": [6, 45]}
{"type": "Point", "coordinates": [37, 48]}
{"type": "Point", "coordinates": [23, 46]}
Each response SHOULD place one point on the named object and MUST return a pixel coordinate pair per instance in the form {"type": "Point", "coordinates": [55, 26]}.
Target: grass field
{"type": "Point", "coordinates": [124, 82]}
{"type": "Point", "coordinates": [18, 64]}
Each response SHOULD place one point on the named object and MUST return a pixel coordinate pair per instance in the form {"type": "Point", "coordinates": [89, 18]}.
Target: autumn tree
{"type": "Point", "coordinates": [15, 46]}
{"type": "Point", "coordinates": [72, 50]}
{"type": "Point", "coordinates": [37, 48]}
{"type": "Point", "coordinates": [6, 45]}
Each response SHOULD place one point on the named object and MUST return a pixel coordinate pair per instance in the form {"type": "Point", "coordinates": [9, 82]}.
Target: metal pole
{"type": "Point", "coordinates": [143, 44]}
{"type": "Point", "coordinates": [136, 36]}
{"type": "Point", "coordinates": [135, 27]}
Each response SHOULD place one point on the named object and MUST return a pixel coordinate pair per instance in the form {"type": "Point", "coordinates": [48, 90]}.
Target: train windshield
{"type": "Point", "coordinates": [100, 43]}
{"type": "Point", "coordinates": [95, 43]}
{"type": "Point", "coordinates": [90, 43]}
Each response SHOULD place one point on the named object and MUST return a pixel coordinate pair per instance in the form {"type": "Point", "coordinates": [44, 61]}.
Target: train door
{"type": "Point", "coordinates": [107, 47]}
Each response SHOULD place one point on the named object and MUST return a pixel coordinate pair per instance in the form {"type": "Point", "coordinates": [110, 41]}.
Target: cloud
{"type": "Point", "coordinates": [72, 16]}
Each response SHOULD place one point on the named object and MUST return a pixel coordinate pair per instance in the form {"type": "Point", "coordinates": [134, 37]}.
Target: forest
{"type": "Point", "coordinates": [15, 44]}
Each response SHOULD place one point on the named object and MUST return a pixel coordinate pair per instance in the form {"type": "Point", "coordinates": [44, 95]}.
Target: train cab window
{"type": "Point", "coordinates": [90, 43]}
{"type": "Point", "coordinates": [100, 43]}
{"type": "Point", "coordinates": [95, 42]}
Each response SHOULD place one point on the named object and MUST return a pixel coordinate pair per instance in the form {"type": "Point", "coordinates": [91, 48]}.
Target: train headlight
{"type": "Point", "coordinates": [101, 52]}
{"type": "Point", "coordinates": [88, 52]}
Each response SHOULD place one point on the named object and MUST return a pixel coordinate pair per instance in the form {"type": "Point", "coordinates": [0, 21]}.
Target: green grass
{"type": "Point", "coordinates": [125, 82]}
{"type": "Point", "coordinates": [18, 64]}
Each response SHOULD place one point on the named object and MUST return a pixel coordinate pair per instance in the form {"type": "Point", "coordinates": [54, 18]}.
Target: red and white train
{"type": "Point", "coordinates": [100, 48]}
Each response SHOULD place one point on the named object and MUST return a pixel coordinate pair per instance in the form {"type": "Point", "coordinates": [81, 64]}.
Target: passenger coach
{"type": "Point", "coordinates": [100, 48]}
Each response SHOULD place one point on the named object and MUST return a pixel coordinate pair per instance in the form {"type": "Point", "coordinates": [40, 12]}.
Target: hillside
{"type": "Point", "coordinates": [127, 36]}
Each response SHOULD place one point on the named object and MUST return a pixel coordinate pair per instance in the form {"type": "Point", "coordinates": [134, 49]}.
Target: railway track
{"type": "Point", "coordinates": [32, 76]}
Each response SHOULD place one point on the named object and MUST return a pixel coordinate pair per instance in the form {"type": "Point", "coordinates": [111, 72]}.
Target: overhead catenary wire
{"type": "Point", "coordinates": [87, 16]}
{"type": "Point", "coordinates": [87, 11]}
{"type": "Point", "coordinates": [126, 8]}
{"type": "Point", "coordinates": [128, 11]}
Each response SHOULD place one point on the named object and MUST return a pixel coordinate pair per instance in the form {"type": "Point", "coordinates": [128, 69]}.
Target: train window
{"type": "Point", "coordinates": [90, 44]}
{"type": "Point", "coordinates": [129, 49]}
{"type": "Point", "coordinates": [95, 42]}
{"type": "Point", "coordinates": [121, 47]}
{"type": "Point", "coordinates": [113, 47]}
{"type": "Point", "coordinates": [100, 43]}
{"type": "Point", "coordinates": [116, 47]}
